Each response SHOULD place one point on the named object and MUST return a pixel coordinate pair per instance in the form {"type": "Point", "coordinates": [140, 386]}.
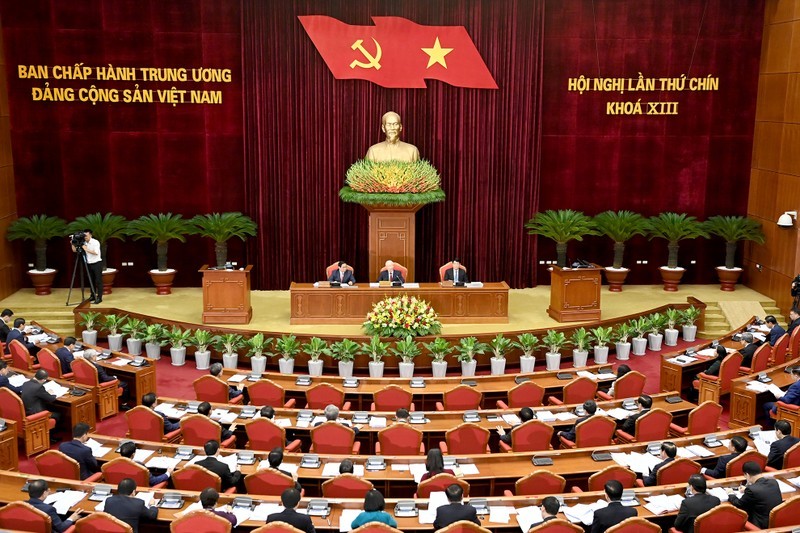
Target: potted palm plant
{"type": "Point", "coordinates": [134, 329]}
{"type": "Point", "coordinates": [439, 348]}
{"type": "Point", "coordinates": [654, 339]}
{"type": "Point", "coordinates": [345, 352]}
{"type": "Point", "coordinates": [222, 227]}
{"type": "Point", "coordinates": [178, 339]}
{"type": "Point", "coordinates": [555, 341]}
{"type": "Point", "coordinates": [602, 336]}
{"type": "Point", "coordinates": [620, 227]}
{"type": "Point", "coordinates": [160, 229]}
{"type": "Point", "coordinates": [201, 340]}
{"type": "Point", "coordinates": [499, 345]}
{"type": "Point", "coordinates": [376, 350]}
{"type": "Point", "coordinates": [674, 228]}
{"type": "Point", "coordinates": [688, 319]}
{"type": "Point", "coordinates": [467, 348]}
{"type": "Point", "coordinates": [314, 349]}
{"type": "Point", "coordinates": [104, 228]}
{"type": "Point", "coordinates": [287, 347]}
{"type": "Point", "coordinates": [256, 346]}
{"type": "Point", "coordinates": [527, 343]}
{"type": "Point", "coordinates": [113, 323]}
{"type": "Point", "coordinates": [230, 344]}
{"type": "Point", "coordinates": [561, 226]}
{"type": "Point", "coordinates": [581, 340]}
{"type": "Point", "coordinates": [88, 320]}
{"type": "Point", "coordinates": [640, 327]}
{"type": "Point", "coordinates": [621, 343]}
{"type": "Point", "coordinates": [733, 230]}
{"type": "Point", "coordinates": [154, 339]}
{"type": "Point", "coordinates": [406, 349]}
{"type": "Point", "coordinates": [670, 333]}
{"type": "Point", "coordinates": [39, 229]}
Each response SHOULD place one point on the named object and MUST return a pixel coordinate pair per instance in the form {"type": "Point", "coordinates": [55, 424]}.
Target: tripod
{"type": "Point", "coordinates": [80, 261]}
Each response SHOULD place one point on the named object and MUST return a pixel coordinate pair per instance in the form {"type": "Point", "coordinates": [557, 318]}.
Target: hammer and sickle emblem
{"type": "Point", "coordinates": [372, 61]}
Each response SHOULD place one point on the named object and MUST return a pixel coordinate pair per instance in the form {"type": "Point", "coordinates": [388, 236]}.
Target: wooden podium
{"type": "Point", "coordinates": [575, 293]}
{"type": "Point", "coordinates": [226, 296]}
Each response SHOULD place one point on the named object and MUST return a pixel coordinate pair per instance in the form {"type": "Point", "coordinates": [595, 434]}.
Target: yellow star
{"type": "Point", "coordinates": [437, 54]}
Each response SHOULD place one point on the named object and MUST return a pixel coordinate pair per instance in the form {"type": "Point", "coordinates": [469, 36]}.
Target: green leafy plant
{"type": "Point", "coordinates": [561, 226]}
{"type": "Point", "coordinates": [439, 348]}
{"type": "Point", "coordinates": [160, 229]}
{"type": "Point", "coordinates": [673, 317]}
{"type": "Point", "coordinates": [602, 336]}
{"type": "Point", "coordinates": [691, 315]}
{"type": "Point", "coordinates": [202, 339]}
{"type": "Point", "coordinates": [581, 339]}
{"type": "Point", "coordinates": [345, 350]}
{"type": "Point", "coordinates": [257, 345]}
{"type": "Point", "coordinates": [155, 334]}
{"type": "Point", "coordinates": [376, 349]}
{"type": "Point", "coordinates": [406, 349]}
{"type": "Point", "coordinates": [673, 228]}
{"type": "Point", "coordinates": [527, 342]}
{"type": "Point", "coordinates": [134, 328]}
{"type": "Point", "coordinates": [555, 341]}
{"type": "Point", "coordinates": [396, 183]}
{"type": "Point", "coordinates": [657, 323]}
{"type": "Point", "coordinates": [733, 230]}
{"type": "Point", "coordinates": [103, 227]}
{"type": "Point", "coordinates": [112, 323]}
{"type": "Point", "coordinates": [468, 347]}
{"type": "Point", "coordinates": [623, 332]}
{"type": "Point", "coordinates": [640, 326]}
{"type": "Point", "coordinates": [177, 337]}
{"type": "Point", "coordinates": [500, 345]}
{"type": "Point", "coordinates": [89, 319]}
{"type": "Point", "coordinates": [316, 348]}
{"type": "Point", "coordinates": [288, 346]}
{"type": "Point", "coordinates": [620, 227]}
{"type": "Point", "coordinates": [229, 343]}
{"type": "Point", "coordinates": [39, 229]}
{"type": "Point", "coordinates": [222, 227]}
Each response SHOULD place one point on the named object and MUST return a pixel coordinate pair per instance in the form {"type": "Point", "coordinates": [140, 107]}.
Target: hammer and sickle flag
{"type": "Point", "coordinates": [398, 53]}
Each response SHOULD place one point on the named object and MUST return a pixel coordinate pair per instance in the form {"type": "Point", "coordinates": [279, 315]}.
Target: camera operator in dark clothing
{"type": "Point", "coordinates": [90, 247]}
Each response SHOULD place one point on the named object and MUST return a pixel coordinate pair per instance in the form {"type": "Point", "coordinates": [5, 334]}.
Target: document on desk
{"type": "Point", "coordinates": [263, 510]}
{"type": "Point", "coordinates": [469, 469]}
{"type": "Point", "coordinates": [501, 514]}
{"type": "Point", "coordinates": [17, 380]}
{"type": "Point", "coordinates": [759, 336]}
{"type": "Point", "coordinates": [377, 422]}
{"type": "Point", "coordinates": [241, 514]}
{"type": "Point", "coordinates": [775, 390]}
{"type": "Point", "coordinates": [146, 497]}
{"type": "Point", "coordinates": [565, 415]}
{"type": "Point", "coordinates": [120, 362]}
{"type": "Point", "coordinates": [36, 339]}
{"type": "Point", "coordinates": [290, 467]}
{"type": "Point", "coordinates": [794, 481]}
{"type": "Point", "coordinates": [621, 458]}
{"type": "Point", "coordinates": [583, 513]}
{"type": "Point", "coordinates": [229, 418]}
{"type": "Point", "coordinates": [545, 416]}
{"type": "Point", "coordinates": [618, 413]}
{"type": "Point", "coordinates": [237, 378]}
{"type": "Point", "coordinates": [230, 460]}
{"type": "Point", "coordinates": [98, 450]}
{"type": "Point", "coordinates": [140, 456]}
{"type": "Point", "coordinates": [719, 492]}
{"type": "Point", "coordinates": [332, 470]}
{"type": "Point", "coordinates": [163, 462]}
{"type": "Point", "coordinates": [756, 386]}
{"type": "Point", "coordinates": [527, 516]}
{"type": "Point", "coordinates": [785, 487]}
{"type": "Point", "coordinates": [62, 501]}
{"type": "Point", "coordinates": [399, 467]}
{"type": "Point", "coordinates": [587, 374]}
{"type": "Point", "coordinates": [282, 422]}
{"type": "Point", "coordinates": [417, 470]}
{"type": "Point", "coordinates": [511, 419]}
{"type": "Point", "coordinates": [643, 462]}
{"type": "Point", "coordinates": [763, 441]}
{"type": "Point", "coordinates": [700, 451]}
{"type": "Point", "coordinates": [663, 503]}
{"type": "Point", "coordinates": [346, 519]}
{"type": "Point", "coordinates": [55, 389]}
{"type": "Point", "coordinates": [196, 506]}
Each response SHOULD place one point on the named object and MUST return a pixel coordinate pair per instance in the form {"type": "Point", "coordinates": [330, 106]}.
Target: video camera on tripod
{"type": "Point", "coordinates": [78, 239]}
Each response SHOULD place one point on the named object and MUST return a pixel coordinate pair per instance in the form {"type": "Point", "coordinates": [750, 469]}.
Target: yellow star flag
{"type": "Point", "coordinates": [437, 54]}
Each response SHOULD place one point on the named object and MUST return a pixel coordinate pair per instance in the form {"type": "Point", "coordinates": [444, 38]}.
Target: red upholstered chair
{"type": "Point", "coordinates": [264, 435]}
{"type": "Point", "coordinates": [56, 464]}
{"type": "Point", "coordinates": [538, 483]}
{"type": "Point", "coordinates": [146, 424]}
{"type": "Point", "coordinates": [20, 356]}
{"type": "Point", "coordinates": [120, 468]}
{"type": "Point", "coordinates": [200, 520]}
{"type": "Point", "coordinates": [460, 398]}
{"type": "Point", "coordinates": [283, 527]}
{"type": "Point", "coordinates": [334, 438]}
{"type": "Point", "coordinates": [324, 394]}
{"type": "Point", "coordinates": [439, 483]}
{"type": "Point", "coordinates": [598, 480]}
{"type": "Point", "coordinates": [779, 351]}
{"type": "Point", "coordinates": [794, 344]}
{"type": "Point", "coordinates": [532, 436]}
{"type": "Point", "coordinates": [677, 471]}
{"type": "Point", "coordinates": [392, 398]}
{"type": "Point", "coordinates": [783, 515]}
{"type": "Point", "coordinates": [400, 268]}
{"type": "Point", "coordinates": [399, 439]}
{"type": "Point", "coordinates": [265, 392]}
{"type": "Point", "coordinates": [372, 527]}
{"type": "Point", "coordinates": [99, 522]}
{"type": "Point", "coordinates": [630, 385]}
{"type": "Point", "coordinates": [210, 388]}
{"type": "Point", "coordinates": [330, 269]}
{"type": "Point", "coordinates": [791, 459]}
{"type": "Point", "coordinates": [465, 439]}
{"type": "Point", "coordinates": [702, 419]}
{"type": "Point", "coordinates": [593, 432]}
{"type": "Point", "coordinates": [5, 356]}
{"type": "Point", "coordinates": [22, 516]}
{"type": "Point", "coordinates": [734, 466]}
{"type": "Point", "coordinates": [635, 525]}
{"type": "Point", "coordinates": [576, 391]}
{"type": "Point", "coordinates": [268, 482]}
{"type": "Point", "coordinates": [50, 362]}
{"type": "Point", "coordinates": [760, 360]}
{"type": "Point", "coordinates": [463, 526]}
{"type": "Point", "coordinates": [724, 518]}
{"type": "Point", "coordinates": [199, 429]}
{"type": "Point", "coordinates": [106, 394]}
{"type": "Point", "coordinates": [197, 478]}
{"type": "Point", "coordinates": [33, 429]}
{"type": "Point", "coordinates": [558, 525]}
{"type": "Point", "coordinates": [651, 426]}
{"type": "Point", "coordinates": [713, 387]}
{"type": "Point", "coordinates": [527, 394]}
{"type": "Point", "coordinates": [444, 267]}
{"type": "Point", "coordinates": [346, 486]}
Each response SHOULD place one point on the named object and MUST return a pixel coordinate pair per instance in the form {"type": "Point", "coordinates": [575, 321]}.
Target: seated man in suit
{"type": "Point", "coordinates": [615, 512]}
{"type": "Point", "coordinates": [794, 321]}
{"type": "Point", "coordinates": [668, 453]}
{"type": "Point", "coordinates": [590, 406]}
{"type": "Point", "coordinates": [38, 491]}
{"type": "Point", "coordinates": [64, 355]}
{"type": "Point", "coordinates": [104, 377]}
{"type": "Point", "coordinates": [233, 392]}
{"type": "Point", "coordinates": [750, 344]}
{"type": "Point", "coordinates": [124, 506]}
{"type": "Point", "coordinates": [205, 409]}
{"type": "Point", "coordinates": [629, 424]}
{"type": "Point", "coordinates": [401, 416]}
{"type": "Point", "coordinates": [6, 318]}
{"type": "Point", "coordinates": [737, 447]}
{"type": "Point", "coordinates": [36, 399]}
{"type": "Point", "coordinates": [332, 415]}
{"type": "Point", "coordinates": [776, 331]}
{"type": "Point", "coordinates": [455, 510]}
{"type": "Point", "coordinates": [18, 333]}
{"type": "Point", "coordinates": [343, 274]}
{"type": "Point", "coordinates": [525, 414]}
{"type": "Point", "coordinates": [128, 450]}
{"type": "Point", "coordinates": [549, 508]}
{"type": "Point", "coordinates": [78, 450]}
{"type": "Point", "coordinates": [289, 499]}
{"type": "Point", "coordinates": [783, 432]}
{"type": "Point", "coordinates": [4, 372]}
{"type": "Point", "coordinates": [209, 498]}
{"type": "Point", "coordinates": [759, 497]}
{"type": "Point", "coordinates": [275, 460]}
{"type": "Point", "coordinates": [455, 273]}
{"type": "Point", "coordinates": [149, 400]}
{"type": "Point", "coordinates": [390, 274]}
{"type": "Point", "coordinates": [791, 396]}
{"type": "Point", "coordinates": [696, 503]}
{"type": "Point", "coordinates": [229, 479]}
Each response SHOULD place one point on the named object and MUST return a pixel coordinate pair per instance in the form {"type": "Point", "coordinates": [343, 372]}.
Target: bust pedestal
{"type": "Point", "coordinates": [392, 231]}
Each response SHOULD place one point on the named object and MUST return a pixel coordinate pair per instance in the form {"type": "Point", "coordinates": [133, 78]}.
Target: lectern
{"type": "Point", "coordinates": [575, 293]}
{"type": "Point", "coordinates": [226, 296]}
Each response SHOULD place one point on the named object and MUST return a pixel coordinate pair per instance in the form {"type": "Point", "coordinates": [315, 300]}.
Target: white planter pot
{"type": "Point", "coordinates": [498, 366]}
{"type": "Point", "coordinates": [89, 336]}
{"type": "Point", "coordinates": [579, 358]}
{"type": "Point", "coordinates": [153, 350]}
{"type": "Point", "coordinates": [623, 351]}
{"type": "Point", "coordinates": [600, 355]}
{"type": "Point", "coordinates": [527, 363]}
{"type": "Point", "coordinates": [689, 333]}
{"type": "Point", "coordinates": [552, 360]}
{"type": "Point", "coordinates": [178, 356]}
{"type": "Point", "coordinates": [439, 368]}
{"type": "Point", "coordinates": [315, 367]}
{"type": "Point", "coordinates": [639, 346]}
{"type": "Point", "coordinates": [202, 360]}
{"type": "Point", "coordinates": [670, 337]}
{"type": "Point", "coordinates": [406, 370]}
{"type": "Point", "coordinates": [258, 364]}
{"type": "Point", "coordinates": [654, 341]}
{"type": "Point", "coordinates": [134, 346]}
{"type": "Point", "coordinates": [468, 368]}
{"type": "Point", "coordinates": [345, 369]}
{"type": "Point", "coordinates": [230, 360]}
{"type": "Point", "coordinates": [286, 366]}
{"type": "Point", "coordinates": [115, 342]}
{"type": "Point", "coordinates": [376, 369]}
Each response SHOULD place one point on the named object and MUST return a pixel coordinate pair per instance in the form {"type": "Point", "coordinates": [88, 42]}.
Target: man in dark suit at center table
{"type": "Point", "coordinates": [290, 498]}
{"type": "Point", "coordinates": [737, 447]}
{"type": "Point", "coordinates": [343, 274]}
{"type": "Point", "coordinates": [36, 399]}
{"type": "Point", "coordinates": [229, 479]}
{"type": "Point", "coordinates": [590, 408]}
{"type": "Point", "coordinates": [696, 503]}
{"type": "Point", "coordinates": [615, 512]}
{"type": "Point", "coordinates": [455, 510]}
{"type": "Point", "coordinates": [668, 453]}
{"type": "Point", "coordinates": [128, 508]}
{"type": "Point", "coordinates": [391, 273]}
{"type": "Point", "coordinates": [629, 424]}
{"type": "Point", "coordinates": [65, 356]}
{"type": "Point", "coordinates": [38, 491]}
{"type": "Point", "coordinates": [760, 495]}
{"type": "Point", "coordinates": [455, 273]}
{"type": "Point", "coordinates": [78, 450]}
{"type": "Point", "coordinates": [18, 333]}
{"type": "Point", "coordinates": [785, 440]}
{"type": "Point", "coordinates": [750, 346]}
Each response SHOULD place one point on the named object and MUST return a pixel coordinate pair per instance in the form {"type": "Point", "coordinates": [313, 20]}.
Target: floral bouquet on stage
{"type": "Point", "coordinates": [399, 316]}
{"type": "Point", "coordinates": [395, 183]}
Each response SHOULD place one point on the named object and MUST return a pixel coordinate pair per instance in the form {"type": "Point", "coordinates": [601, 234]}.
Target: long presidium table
{"type": "Point", "coordinates": [350, 305]}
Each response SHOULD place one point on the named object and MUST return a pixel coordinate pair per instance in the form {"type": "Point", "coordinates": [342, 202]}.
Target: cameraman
{"type": "Point", "coordinates": [94, 261]}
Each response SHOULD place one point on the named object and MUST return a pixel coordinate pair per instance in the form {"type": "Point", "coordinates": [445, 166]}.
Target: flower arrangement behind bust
{"type": "Point", "coordinates": [399, 316]}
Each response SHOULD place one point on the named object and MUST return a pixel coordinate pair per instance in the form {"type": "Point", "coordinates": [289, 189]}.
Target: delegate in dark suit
{"type": "Point", "coordinates": [169, 425]}
{"type": "Point", "coordinates": [396, 276]}
{"type": "Point", "coordinates": [4, 331]}
{"type": "Point", "coordinates": [758, 500]}
{"type": "Point", "coordinates": [748, 351]}
{"type": "Point", "coordinates": [293, 518]}
{"type": "Point", "coordinates": [778, 449]}
{"type": "Point", "coordinates": [81, 453]}
{"type": "Point", "coordinates": [35, 397]}
{"type": "Point", "coordinates": [650, 479]}
{"type": "Point", "coordinates": [570, 433]}
{"type": "Point", "coordinates": [229, 479]}
{"type": "Point", "coordinates": [18, 334]}
{"type": "Point", "coordinates": [57, 524]}
{"type": "Point", "coordinates": [793, 324]}
{"type": "Point", "coordinates": [792, 397]}
{"type": "Point", "coordinates": [66, 358]}
{"type": "Point", "coordinates": [348, 276]}
{"type": "Point", "coordinates": [691, 508]}
{"type": "Point", "coordinates": [629, 424]}
{"type": "Point", "coordinates": [722, 464]}
{"type": "Point", "coordinates": [775, 333]}
{"type": "Point", "coordinates": [449, 275]}
{"type": "Point", "coordinates": [611, 516]}
{"type": "Point", "coordinates": [130, 510]}
{"type": "Point", "coordinates": [453, 512]}
{"type": "Point", "coordinates": [7, 384]}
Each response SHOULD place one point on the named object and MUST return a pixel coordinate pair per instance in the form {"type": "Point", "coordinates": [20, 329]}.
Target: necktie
{"type": "Point", "coordinates": [391, 275]}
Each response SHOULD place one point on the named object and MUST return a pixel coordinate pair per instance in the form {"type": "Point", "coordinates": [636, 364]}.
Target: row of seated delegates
{"type": "Point", "coordinates": [791, 396]}
{"type": "Point", "coordinates": [344, 274]}
{"type": "Point", "coordinates": [18, 333]}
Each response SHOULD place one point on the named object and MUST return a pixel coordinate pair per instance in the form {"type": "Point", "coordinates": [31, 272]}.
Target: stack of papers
{"type": "Point", "coordinates": [377, 422]}
{"type": "Point", "coordinates": [511, 419]}
{"type": "Point", "coordinates": [230, 460]}
{"type": "Point", "coordinates": [663, 503]}
{"type": "Point", "coordinates": [794, 481]}
{"type": "Point", "coordinates": [282, 422]}
{"type": "Point", "coordinates": [237, 378]}
{"type": "Point", "coordinates": [169, 410]}
{"type": "Point", "coordinates": [98, 450]}
{"type": "Point", "coordinates": [699, 451]}
{"type": "Point", "coordinates": [241, 514]}
{"type": "Point", "coordinates": [638, 462]}
{"type": "Point", "coordinates": [346, 518]}
{"type": "Point", "coordinates": [528, 516]}
{"type": "Point", "coordinates": [120, 362]}
{"type": "Point", "coordinates": [17, 380]}
{"type": "Point", "coordinates": [55, 389]}
{"type": "Point", "coordinates": [618, 413]}
{"type": "Point", "coordinates": [469, 469]}
{"type": "Point", "coordinates": [785, 487]}
{"type": "Point", "coordinates": [583, 513]}
{"type": "Point", "coordinates": [332, 470]}
{"type": "Point", "coordinates": [163, 462]}
{"type": "Point", "coordinates": [36, 339]}
{"type": "Point", "coordinates": [501, 514]}
{"type": "Point", "coordinates": [417, 470]}
{"type": "Point", "coordinates": [435, 500]}
{"type": "Point", "coordinates": [140, 456]}
{"type": "Point", "coordinates": [564, 416]}
{"type": "Point", "coordinates": [263, 510]}
{"type": "Point", "coordinates": [756, 386]}
{"type": "Point", "coordinates": [62, 501]}
{"type": "Point", "coordinates": [763, 441]}
{"type": "Point", "coordinates": [545, 416]}
{"type": "Point", "coordinates": [719, 492]}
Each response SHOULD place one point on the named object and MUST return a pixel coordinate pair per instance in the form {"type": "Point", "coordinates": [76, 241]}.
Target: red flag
{"type": "Point", "coordinates": [398, 53]}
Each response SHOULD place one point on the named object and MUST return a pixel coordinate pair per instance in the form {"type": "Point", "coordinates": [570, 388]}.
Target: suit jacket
{"type": "Point", "coordinates": [7, 384]}
{"type": "Point", "coordinates": [650, 479]}
{"type": "Point", "coordinates": [396, 276]}
{"type": "Point", "coordinates": [102, 375]}
{"type": "Point", "coordinates": [758, 500]}
{"type": "Point", "coordinates": [778, 449]}
{"type": "Point", "coordinates": [792, 395]}
{"type": "Point", "coordinates": [570, 433]}
{"type": "Point", "coordinates": [35, 398]}
{"type": "Point", "coordinates": [447, 514]}
{"type": "Point", "coordinates": [293, 518]}
{"type": "Point", "coordinates": [462, 275]}
{"type": "Point", "coordinates": [15, 334]}
{"type": "Point", "coordinates": [793, 324]}
{"type": "Point", "coordinates": [168, 424]}
{"type": "Point", "coordinates": [66, 358]}
{"type": "Point", "coordinates": [55, 520]}
{"type": "Point", "coordinates": [722, 464]}
{"type": "Point", "coordinates": [693, 507]}
{"type": "Point", "coordinates": [629, 424]}
{"type": "Point", "coordinates": [748, 351]}
{"type": "Point", "coordinates": [130, 510]}
{"type": "Point", "coordinates": [775, 333]}
{"type": "Point", "coordinates": [229, 479]}
{"type": "Point", "coordinates": [611, 516]}
{"type": "Point", "coordinates": [5, 330]}
{"type": "Point", "coordinates": [348, 276]}
{"type": "Point", "coordinates": [81, 453]}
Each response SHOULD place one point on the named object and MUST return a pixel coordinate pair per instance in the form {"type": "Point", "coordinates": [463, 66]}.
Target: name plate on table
{"type": "Point", "coordinates": [171, 500]}
{"type": "Point", "coordinates": [350, 383]}
{"type": "Point", "coordinates": [323, 284]}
